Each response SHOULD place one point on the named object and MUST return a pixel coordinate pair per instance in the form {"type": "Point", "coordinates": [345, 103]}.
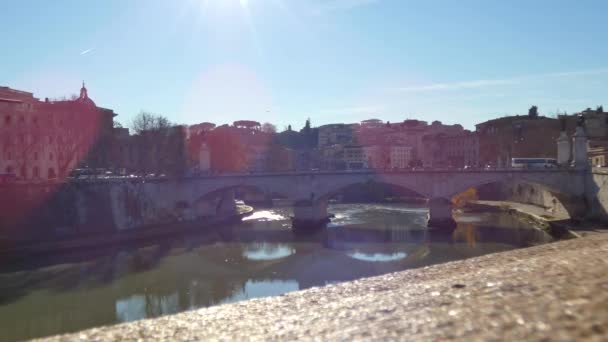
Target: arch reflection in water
{"type": "Point", "coordinates": [140, 306]}
{"type": "Point", "coordinates": [256, 258]}
{"type": "Point", "coordinates": [378, 257]}
{"type": "Point", "coordinates": [392, 215]}
{"type": "Point", "coordinates": [263, 288]}
{"type": "Point", "coordinates": [267, 251]}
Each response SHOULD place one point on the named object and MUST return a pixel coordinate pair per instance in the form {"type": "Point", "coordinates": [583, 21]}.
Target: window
{"type": "Point", "coordinates": [35, 155]}
{"type": "Point", "coordinates": [7, 120]}
{"type": "Point", "coordinates": [50, 156]}
{"type": "Point", "coordinates": [36, 172]}
{"type": "Point", "coordinates": [51, 173]}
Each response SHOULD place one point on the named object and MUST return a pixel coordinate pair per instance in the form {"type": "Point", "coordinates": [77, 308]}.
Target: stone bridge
{"type": "Point", "coordinates": [313, 189]}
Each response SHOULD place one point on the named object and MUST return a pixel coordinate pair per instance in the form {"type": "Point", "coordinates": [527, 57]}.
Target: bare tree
{"type": "Point", "coordinates": [149, 122]}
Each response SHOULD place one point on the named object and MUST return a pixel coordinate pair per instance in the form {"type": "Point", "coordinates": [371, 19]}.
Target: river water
{"type": "Point", "coordinates": [258, 257]}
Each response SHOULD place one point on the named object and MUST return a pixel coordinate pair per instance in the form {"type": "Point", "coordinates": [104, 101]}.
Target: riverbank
{"type": "Point", "coordinates": [559, 226]}
{"type": "Point", "coordinates": [552, 291]}
{"type": "Point", "coordinates": [24, 249]}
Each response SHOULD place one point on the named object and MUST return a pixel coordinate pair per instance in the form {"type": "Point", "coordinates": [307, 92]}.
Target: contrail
{"type": "Point", "coordinates": [86, 51]}
{"type": "Point", "coordinates": [488, 83]}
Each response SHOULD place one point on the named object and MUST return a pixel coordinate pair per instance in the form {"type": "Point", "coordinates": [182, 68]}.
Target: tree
{"type": "Point", "coordinates": [149, 122]}
{"type": "Point", "coordinates": [307, 126]}
{"type": "Point", "coordinates": [227, 150]}
{"type": "Point", "coordinates": [267, 127]}
{"type": "Point", "coordinates": [533, 112]}
{"type": "Point", "coordinates": [600, 109]}
{"type": "Point", "coordinates": [161, 145]}
{"type": "Point", "coordinates": [116, 124]}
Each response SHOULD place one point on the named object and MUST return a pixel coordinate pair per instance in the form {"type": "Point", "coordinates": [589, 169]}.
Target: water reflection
{"type": "Point", "coordinates": [263, 288]}
{"type": "Point", "coordinates": [378, 257]}
{"type": "Point", "coordinates": [141, 306]}
{"type": "Point", "coordinates": [256, 258]}
{"type": "Point", "coordinates": [267, 251]}
{"type": "Point", "coordinates": [264, 215]}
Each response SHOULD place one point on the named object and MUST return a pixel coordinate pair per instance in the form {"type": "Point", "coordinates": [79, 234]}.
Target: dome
{"type": "Point", "coordinates": [84, 96]}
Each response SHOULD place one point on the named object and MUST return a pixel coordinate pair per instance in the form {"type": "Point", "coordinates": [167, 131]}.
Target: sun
{"type": "Point", "coordinates": [243, 3]}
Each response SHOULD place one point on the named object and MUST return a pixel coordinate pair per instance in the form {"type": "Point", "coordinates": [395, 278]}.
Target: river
{"type": "Point", "coordinates": [258, 257]}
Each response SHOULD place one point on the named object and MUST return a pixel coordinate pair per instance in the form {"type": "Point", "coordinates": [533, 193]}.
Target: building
{"type": "Point", "coordinates": [401, 157]}
{"type": "Point", "coordinates": [598, 153]}
{"type": "Point", "coordinates": [337, 134]}
{"type": "Point", "coordinates": [457, 150]}
{"type": "Point", "coordinates": [372, 124]}
{"type": "Point", "coordinates": [411, 133]}
{"type": "Point", "coordinates": [374, 144]}
{"type": "Point", "coordinates": [332, 158]}
{"type": "Point", "coordinates": [354, 157]}
{"type": "Point", "coordinates": [519, 136]}
{"type": "Point", "coordinates": [47, 139]}
{"type": "Point", "coordinates": [596, 123]}
{"type": "Point", "coordinates": [598, 156]}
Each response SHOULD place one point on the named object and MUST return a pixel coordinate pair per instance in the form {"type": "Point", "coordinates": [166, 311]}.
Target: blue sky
{"type": "Point", "coordinates": [331, 60]}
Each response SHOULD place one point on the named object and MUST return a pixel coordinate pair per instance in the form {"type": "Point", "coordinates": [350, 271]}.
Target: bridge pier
{"type": "Point", "coordinates": [440, 214]}
{"type": "Point", "coordinates": [226, 205]}
{"type": "Point", "coordinates": [309, 214]}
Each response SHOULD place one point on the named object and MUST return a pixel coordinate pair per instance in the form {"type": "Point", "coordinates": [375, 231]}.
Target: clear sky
{"type": "Point", "coordinates": [282, 61]}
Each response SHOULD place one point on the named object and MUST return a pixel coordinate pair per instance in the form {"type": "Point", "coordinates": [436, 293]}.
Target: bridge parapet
{"type": "Point", "coordinates": [139, 201]}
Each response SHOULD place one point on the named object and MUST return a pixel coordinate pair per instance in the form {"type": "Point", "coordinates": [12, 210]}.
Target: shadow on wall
{"type": "Point", "coordinates": [555, 203]}
{"type": "Point", "coordinates": [597, 196]}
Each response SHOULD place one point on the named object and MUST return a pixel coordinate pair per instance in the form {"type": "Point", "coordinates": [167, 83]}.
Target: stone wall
{"type": "Point", "coordinates": [597, 196]}
{"type": "Point", "coordinates": [33, 212]}
{"type": "Point", "coordinates": [594, 205]}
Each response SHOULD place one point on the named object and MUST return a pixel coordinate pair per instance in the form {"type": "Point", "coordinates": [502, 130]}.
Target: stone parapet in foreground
{"type": "Point", "coordinates": [557, 291]}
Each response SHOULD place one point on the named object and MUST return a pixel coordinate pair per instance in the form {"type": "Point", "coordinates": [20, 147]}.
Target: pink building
{"type": "Point", "coordinates": [42, 140]}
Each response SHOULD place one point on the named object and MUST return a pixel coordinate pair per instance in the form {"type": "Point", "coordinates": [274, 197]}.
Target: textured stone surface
{"type": "Point", "coordinates": [557, 291]}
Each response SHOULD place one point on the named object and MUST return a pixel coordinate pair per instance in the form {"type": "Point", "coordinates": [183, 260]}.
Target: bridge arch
{"type": "Point", "coordinates": [403, 184]}
{"type": "Point", "coordinates": [239, 189]}
{"type": "Point", "coordinates": [537, 189]}
{"type": "Point", "coordinates": [553, 180]}
{"type": "Point", "coordinates": [378, 185]}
